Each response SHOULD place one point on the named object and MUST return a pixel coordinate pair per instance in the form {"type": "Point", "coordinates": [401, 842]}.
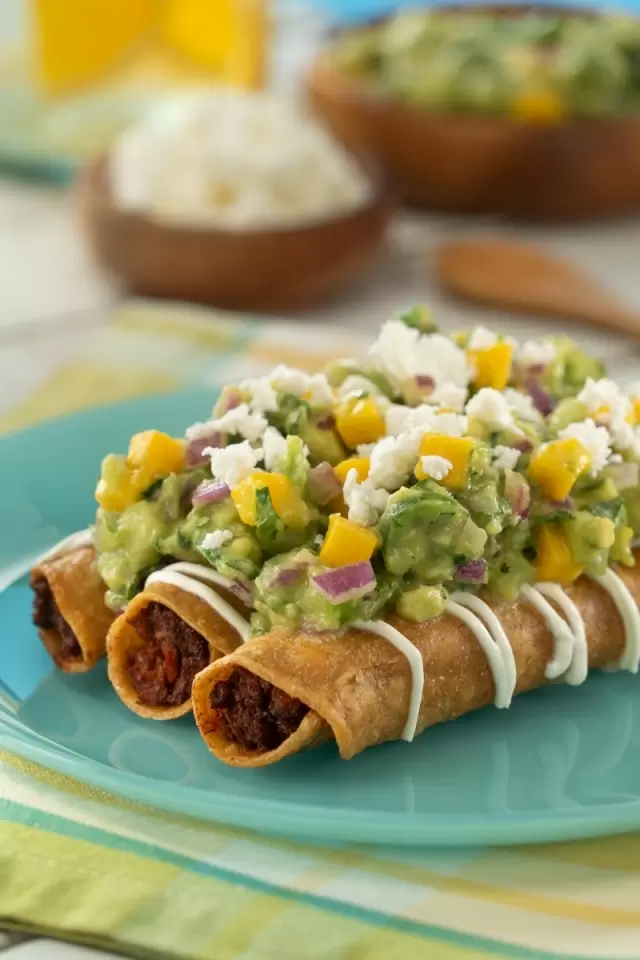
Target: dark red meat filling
{"type": "Point", "coordinates": [254, 713]}
{"type": "Point", "coordinates": [47, 616]}
{"type": "Point", "coordinates": [172, 653]}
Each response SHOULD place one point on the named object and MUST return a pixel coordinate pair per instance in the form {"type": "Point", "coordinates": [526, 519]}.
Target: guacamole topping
{"type": "Point", "coordinates": [431, 470]}
{"type": "Point", "coordinates": [535, 66]}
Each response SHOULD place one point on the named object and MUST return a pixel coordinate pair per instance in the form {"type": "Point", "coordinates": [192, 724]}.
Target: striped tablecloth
{"type": "Point", "coordinates": [84, 866]}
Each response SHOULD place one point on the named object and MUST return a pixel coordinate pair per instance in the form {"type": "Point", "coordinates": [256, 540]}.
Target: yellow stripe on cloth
{"type": "Point", "coordinates": [78, 386]}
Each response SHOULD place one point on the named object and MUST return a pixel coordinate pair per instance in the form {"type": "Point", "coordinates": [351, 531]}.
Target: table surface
{"type": "Point", "coordinates": [52, 297]}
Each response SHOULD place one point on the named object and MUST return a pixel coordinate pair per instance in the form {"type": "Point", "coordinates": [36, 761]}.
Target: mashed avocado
{"type": "Point", "coordinates": [434, 464]}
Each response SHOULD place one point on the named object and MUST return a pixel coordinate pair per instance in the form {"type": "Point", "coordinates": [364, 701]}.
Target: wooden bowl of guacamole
{"type": "Point", "coordinates": [528, 112]}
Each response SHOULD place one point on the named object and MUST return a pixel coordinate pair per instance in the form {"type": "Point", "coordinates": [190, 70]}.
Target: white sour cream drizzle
{"type": "Point", "coordinates": [401, 643]}
{"type": "Point", "coordinates": [628, 610]}
{"type": "Point", "coordinates": [563, 640]}
{"type": "Point", "coordinates": [505, 677]}
{"type": "Point", "coordinates": [491, 650]}
{"type": "Point", "coordinates": [13, 573]}
{"type": "Point", "coordinates": [189, 577]}
{"type": "Point", "coordinates": [577, 671]}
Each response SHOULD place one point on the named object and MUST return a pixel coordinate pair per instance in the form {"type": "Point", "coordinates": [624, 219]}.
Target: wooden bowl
{"type": "Point", "coordinates": [581, 169]}
{"type": "Point", "coordinates": [276, 270]}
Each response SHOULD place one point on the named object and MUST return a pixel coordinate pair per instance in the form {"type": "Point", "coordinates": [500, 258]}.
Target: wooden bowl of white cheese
{"type": "Point", "coordinates": [235, 200]}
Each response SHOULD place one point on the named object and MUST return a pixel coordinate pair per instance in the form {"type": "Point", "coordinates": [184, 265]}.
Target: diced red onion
{"type": "Point", "coordinates": [289, 575]}
{"type": "Point", "coordinates": [472, 571]}
{"type": "Point", "coordinates": [624, 475]}
{"type": "Point", "coordinates": [194, 456]}
{"type": "Point", "coordinates": [327, 422]}
{"type": "Point", "coordinates": [243, 592]}
{"type": "Point", "coordinates": [346, 583]}
{"type": "Point", "coordinates": [524, 445]}
{"type": "Point", "coordinates": [518, 493]}
{"type": "Point", "coordinates": [424, 381]}
{"type": "Point", "coordinates": [323, 484]}
{"type": "Point", "coordinates": [566, 504]}
{"type": "Point", "coordinates": [542, 400]}
{"type": "Point", "coordinates": [209, 491]}
{"type": "Point", "coordinates": [535, 369]}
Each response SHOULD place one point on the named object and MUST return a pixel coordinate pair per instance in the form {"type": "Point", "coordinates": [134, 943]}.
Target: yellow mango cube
{"type": "Point", "coordinates": [347, 542]}
{"type": "Point", "coordinates": [457, 450]}
{"type": "Point", "coordinates": [115, 490]}
{"type": "Point", "coordinates": [557, 465]}
{"type": "Point", "coordinates": [493, 365]}
{"type": "Point", "coordinates": [359, 420]}
{"type": "Point", "coordinates": [634, 414]}
{"type": "Point", "coordinates": [554, 563]}
{"type": "Point", "coordinates": [286, 501]}
{"type": "Point", "coordinates": [153, 454]}
{"type": "Point", "coordinates": [359, 464]}
{"type": "Point", "coordinates": [539, 106]}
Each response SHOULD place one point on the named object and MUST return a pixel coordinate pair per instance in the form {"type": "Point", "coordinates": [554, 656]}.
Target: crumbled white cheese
{"type": "Point", "coordinates": [505, 458]}
{"type": "Point", "coordinates": [449, 396]}
{"type": "Point", "coordinates": [356, 383]}
{"type": "Point", "coordinates": [436, 467]}
{"type": "Point", "coordinates": [240, 420]}
{"type": "Point", "coordinates": [522, 405]}
{"type": "Point", "coordinates": [233, 464]}
{"type": "Point", "coordinates": [364, 500]}
{"type": "Point", "coordinates": [216, 539]}
{"type": "Point", "coordinates": [275, 447]}
{"type": "Point", "coordinates": [492, 408]}
{"type": "Point", "coordinates": [536, 353]}
{"type": "Point", "coordinates": [609, 405]}
{"type": "Point", "coordinates": [602, 394]}
{"type": "Point", "coordinates": [596, 441]}
{"type": "Point", "coordinates": [288, 380]}
{"type": "Point", "coordinates": [199, 430]}
{"type": "Point", "coordinates": [365, 449]}
{"type": "Point", "coordinates": [402, 352]}
{"type": "Point", "coordinates": [482, 339]}
{"type": "Point", "coordinates": [395, 418]}
{"type": "Point", "coordinates": [450, 424]}
{"type": "Point", "coordinates": [234, 160]}
{"type": "Point", "coordinates": [319, 390]}
{"type": "Point", "coordinates": [393, 459]}
{"type": "Point", "coordinates": [263, 396]}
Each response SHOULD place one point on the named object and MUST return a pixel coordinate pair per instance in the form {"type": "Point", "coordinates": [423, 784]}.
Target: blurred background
{"type": "Point", "coordinates": [251, 165]}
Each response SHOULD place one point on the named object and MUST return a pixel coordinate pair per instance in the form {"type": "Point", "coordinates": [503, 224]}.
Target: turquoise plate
{"type": "Point", "coordinates": [561, 763]}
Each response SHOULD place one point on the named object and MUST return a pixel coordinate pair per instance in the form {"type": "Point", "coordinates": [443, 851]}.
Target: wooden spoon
{"type": "Point", "coordinates": [520, 277]}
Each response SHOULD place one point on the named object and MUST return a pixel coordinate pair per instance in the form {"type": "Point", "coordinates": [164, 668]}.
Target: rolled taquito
{"type": "Point", "coordinates": [284, 691]}
{"type": "Point", "coordinates": [163, 639]}
{"type": "Point", "coordinates": [69, 609]}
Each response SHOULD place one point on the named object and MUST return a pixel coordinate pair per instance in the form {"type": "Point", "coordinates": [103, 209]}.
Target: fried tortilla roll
{"type": "Point", "coordinates": [161, 641]}
{"type": "Point", "coordinates": [282, 692]}
{"type": "Point", "coordinates": [69, 609]}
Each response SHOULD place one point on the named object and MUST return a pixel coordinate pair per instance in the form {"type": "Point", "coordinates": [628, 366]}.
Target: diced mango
{"type": "Point", "coordinates": [634, 414]}
{"type": "Point", "coordinates": [554, 563]}
{"type": "Point", "coordinates": [115, 490]}
{"type": "Point", "coordinates": [346, 542]}
{"type": "Point", "coordinates": [541, 106]}
{"type": "Point", "coordinates": [359, 464]}
{"type": "Point", "coordinates": [153, 454]}
{"type": "Point", "coordinates": [286, 501]}
{"type": "Point", "coordinates": [556, 466]}
{"type": "Point", "coordinates": [457, 450]}
{"type": "Point", "coordinates": [359, 421]}
{"type": "Point", "coordinates": [493, 365]}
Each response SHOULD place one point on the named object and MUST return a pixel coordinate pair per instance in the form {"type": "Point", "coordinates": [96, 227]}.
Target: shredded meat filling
{"type": "Point", "coordinates": [47, 616]}
{"type": "Point", "coordinates": [172, 653]}
{"type": "Point", "coordinates": [254, 713]}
